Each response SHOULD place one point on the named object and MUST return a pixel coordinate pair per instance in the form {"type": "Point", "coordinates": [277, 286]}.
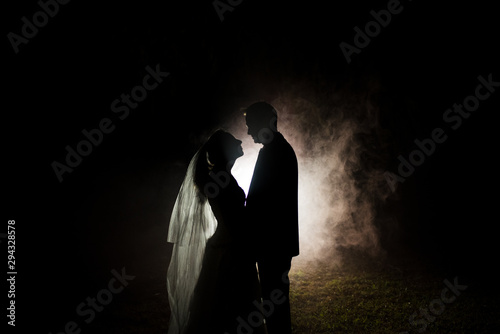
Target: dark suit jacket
{"type": "Point", "coordinates": [272, 200]}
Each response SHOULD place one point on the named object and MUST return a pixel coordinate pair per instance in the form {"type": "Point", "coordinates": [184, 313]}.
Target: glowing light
{"type": "Point", "coordinates": [341, 180]}
{"type": "Point", "coordinates": [244, 166]}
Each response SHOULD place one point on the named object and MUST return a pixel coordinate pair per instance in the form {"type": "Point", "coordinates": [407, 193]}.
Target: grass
{"type": "Point", "coordinates": [354, 300]}
{"type": "Point", "coordinates": [363, 298]}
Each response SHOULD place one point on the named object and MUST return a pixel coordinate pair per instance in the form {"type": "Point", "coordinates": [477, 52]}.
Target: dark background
{"type": "Point", "coordinates": [112, 210]}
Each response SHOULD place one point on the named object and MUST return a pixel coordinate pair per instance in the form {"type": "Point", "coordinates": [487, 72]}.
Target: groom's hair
{"type": "Point", "coordinates": [262, 114]}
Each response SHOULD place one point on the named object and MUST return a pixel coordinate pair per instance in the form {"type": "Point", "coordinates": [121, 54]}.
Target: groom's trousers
{"type": "Point", "coordinates": [275, 286]}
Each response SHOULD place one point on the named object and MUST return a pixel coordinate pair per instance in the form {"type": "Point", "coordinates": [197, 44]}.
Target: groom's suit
{"type": "Point", "coordinates": [273, 211]}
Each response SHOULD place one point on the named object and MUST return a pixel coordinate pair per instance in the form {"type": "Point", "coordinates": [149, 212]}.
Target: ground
{"type": "Point", "coordinates": [366, 297]}
{"type": "Point", "coordinates": [383, 300]}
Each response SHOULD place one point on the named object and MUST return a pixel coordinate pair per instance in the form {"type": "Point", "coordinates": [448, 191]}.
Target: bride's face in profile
{"type": "Point", "coordinates": [224, 149]}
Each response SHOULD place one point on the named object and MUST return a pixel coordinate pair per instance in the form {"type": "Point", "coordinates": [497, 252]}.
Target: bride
{"type": "Point", "coordinates": [212, 279]}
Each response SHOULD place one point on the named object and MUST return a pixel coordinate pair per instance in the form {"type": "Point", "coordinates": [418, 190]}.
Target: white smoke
{"type": "Point", "coordinates": [340, 148]}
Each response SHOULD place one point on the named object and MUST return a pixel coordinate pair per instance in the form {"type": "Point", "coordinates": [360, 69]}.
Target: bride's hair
{"type": "Point", "coordinates": [211, 153]}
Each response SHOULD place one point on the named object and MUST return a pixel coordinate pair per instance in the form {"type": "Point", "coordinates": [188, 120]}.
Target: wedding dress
{"type": "Point", "coordinates": [212, 279]}
{"type": "Point", "coordinates": [191, 224]}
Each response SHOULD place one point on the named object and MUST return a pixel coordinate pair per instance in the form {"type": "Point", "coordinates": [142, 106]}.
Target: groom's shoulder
{"type": "Point", "coordinates": [284, 147]}
{"type": "Point", "coordinates": [286, 143]}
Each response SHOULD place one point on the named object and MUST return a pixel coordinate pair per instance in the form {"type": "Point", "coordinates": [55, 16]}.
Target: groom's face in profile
{"type": "Point", "coordinates": [261, 132]}
{"type": "Point", "coordinates": [254, 129]}
{"type": "Point", "coordinates": [254, 133]}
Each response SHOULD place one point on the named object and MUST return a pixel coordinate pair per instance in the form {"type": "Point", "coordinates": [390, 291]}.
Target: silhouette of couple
{"type": "Point", "coordinates": [219, 236]}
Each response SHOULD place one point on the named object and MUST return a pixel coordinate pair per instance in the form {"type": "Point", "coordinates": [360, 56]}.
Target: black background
{"type": "Point", "coordinates": [71, 234]}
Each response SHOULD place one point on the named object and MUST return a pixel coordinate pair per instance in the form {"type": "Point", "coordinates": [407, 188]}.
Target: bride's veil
{"type": "Point", "coordinates": [192, 223]}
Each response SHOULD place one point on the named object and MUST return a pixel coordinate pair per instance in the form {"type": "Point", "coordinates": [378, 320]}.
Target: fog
{"type": "Point", "coordinates": [340, 150]}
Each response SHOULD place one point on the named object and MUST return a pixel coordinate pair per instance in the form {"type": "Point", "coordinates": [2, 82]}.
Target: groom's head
{"type": "Point", "coordinates": [262, 122]}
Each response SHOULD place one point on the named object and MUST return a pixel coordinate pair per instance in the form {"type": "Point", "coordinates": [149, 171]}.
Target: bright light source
{"type": "Point", "coordinates": [244, 166]}
{"type": "Point", "coordinates": [341, 177]}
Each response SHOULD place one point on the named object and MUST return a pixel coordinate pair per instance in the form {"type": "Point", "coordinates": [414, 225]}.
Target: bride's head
{"type": "Point", "coordinates": [219, 153]}
{"type": "Point", "coordinates": [222, 149]}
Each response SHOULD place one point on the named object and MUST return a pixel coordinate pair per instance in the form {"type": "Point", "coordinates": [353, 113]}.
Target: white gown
{"type": "Point", "coordinates": [212, 279]}
{"type": "Point", "coordinates": [192, 223]}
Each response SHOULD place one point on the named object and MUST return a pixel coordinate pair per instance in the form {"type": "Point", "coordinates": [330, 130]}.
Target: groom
{"type": "Point", "coordinates": [272, 209]}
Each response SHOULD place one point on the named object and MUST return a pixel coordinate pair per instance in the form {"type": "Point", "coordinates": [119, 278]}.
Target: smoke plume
{"type": "Point", "coordinates": [340, 148]}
